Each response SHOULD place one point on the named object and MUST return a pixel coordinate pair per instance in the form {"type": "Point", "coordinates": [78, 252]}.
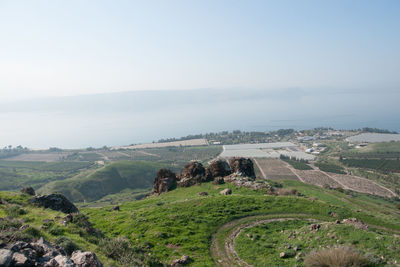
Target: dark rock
{"type": "Point", "coordinates": [164, 182]}
{"type": "Point", "coordinates": [28, 190]}
{"type": "Point", "coordinates": [315, 227]}
{"type": "Point", "coordinates": [19, 245]}
{"type": "Point", "coordinates": [1, 201]}
{"type": "Point", "coordinates": [244, 166]}
{"type": "Point", "coordinates": [193, 173]}
{"type": "Point", "coordinates": [202, 194]}
{"type": "Point", "coordinates": [115, 208]}
{"type": "Point", "coordinates": [68, 219]}
{"type": "Point", "coordinates": [226, 191]}
{"type": "Point", "coordinates": [182, 261]}
{"type": "Point", "coordinates": [5, 257]}
{"type": "Point", "coordinates": [56, 202]}
{"type": "Point", "coordinates": [85, 259]}
{"type": "Point", "coordinates": [218, 181]}
{"type": "Point", "coordinates": [219, 168]}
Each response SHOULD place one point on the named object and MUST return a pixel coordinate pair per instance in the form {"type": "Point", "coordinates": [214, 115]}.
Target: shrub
{"type": "Point", "coordinates": [56, 230]}
{"type": "Point", "coordinates": [14, 211]}
{"type": "Point", "coordinates": [67, 244]}
{"type": "Point", "coordinates": [336, 257]}
{"type": "Point", "coordinates": [31, 232]}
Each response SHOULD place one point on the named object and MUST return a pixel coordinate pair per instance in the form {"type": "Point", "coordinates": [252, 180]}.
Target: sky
{"type": "Point", "coordinates": [58, 48]}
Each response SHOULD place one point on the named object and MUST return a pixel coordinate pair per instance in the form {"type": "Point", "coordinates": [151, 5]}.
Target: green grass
{"type": "Point", "coordinates": [181, 222]}
{"type": "Point", "coordinates": [261, 245]}
{"type": "Point", "coordinates": [15, 175]}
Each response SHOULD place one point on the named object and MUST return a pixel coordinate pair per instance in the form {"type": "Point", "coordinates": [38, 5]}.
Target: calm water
{"type": "Point", "coordinates": [142, 117]}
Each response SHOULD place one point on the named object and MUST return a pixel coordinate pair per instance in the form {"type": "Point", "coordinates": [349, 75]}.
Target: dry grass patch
{"type": "Point", "coordinates": [336, 257]}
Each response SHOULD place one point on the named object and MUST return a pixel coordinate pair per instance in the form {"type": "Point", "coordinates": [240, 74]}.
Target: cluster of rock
{"type": "Point", "coordinates": [239, 171]}
{"type": "Point", "coordinates": [42, 253]}
{"type": "Point", "coordinates": [55, 202]}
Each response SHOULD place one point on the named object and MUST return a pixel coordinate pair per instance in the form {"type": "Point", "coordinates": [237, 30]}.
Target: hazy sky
{"type": "Point", "coordinates": [84, 47]}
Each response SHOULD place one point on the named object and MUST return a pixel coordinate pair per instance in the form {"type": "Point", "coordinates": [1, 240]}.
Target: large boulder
{"type": "Point", "coordinates": [6, 256]}
{"type": "Point", "coordinates": [28, 190]}
{"type": "Point", "coordinates": [164, 182]}
{"type": "Point", "coordinates": [194, 173]}
{"type": "Point", "coordinates": [85, 259]}
{"type": "Point", "coordinates": [43, 254]}
{"type": "Point", "coordinates": [55, 202]}
{"type": "Point", "coordinates": [242, 166]}
{"type": "Point", "coordinates": [219, 168]}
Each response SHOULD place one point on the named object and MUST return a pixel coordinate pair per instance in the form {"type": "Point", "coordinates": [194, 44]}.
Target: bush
{"type": "Point", "coordinates": [121, 250]}
{"type": "Point", "coordinates": [56, 230]}
{"type": "Point", "coordinates": [67, 244]}
{"type": "Point", "coordinates": [31, 232]}
{"type": "Point", "coordinates": [336, 257]}
{"type": "Point", "coordinates": [14, 211]}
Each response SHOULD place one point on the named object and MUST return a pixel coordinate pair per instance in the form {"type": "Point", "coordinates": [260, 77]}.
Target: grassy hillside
{"type": "Point", "coordinates": [17, 174]}
{"type": "Point", "coordinates": [117, 176]}
{"type": "Point", "coordinates": [182, 222]}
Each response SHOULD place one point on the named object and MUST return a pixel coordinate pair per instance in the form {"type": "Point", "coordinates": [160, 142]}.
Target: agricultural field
{"type": "Point", "coordinates": [190, 142]}
{"type": "Point", "coordinates": [362, 185]}
{"type": "Point", "coordinates": [275, 169]}
{"type": "Point", "coordinates": [318, 178]}
{"type": "Point", "coordinates": [40, 156]}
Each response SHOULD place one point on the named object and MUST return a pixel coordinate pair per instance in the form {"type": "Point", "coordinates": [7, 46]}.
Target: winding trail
{"type": "Point", "coordinates": [223, 240]}
{"type": "Point", "coordinates": [226, 255]}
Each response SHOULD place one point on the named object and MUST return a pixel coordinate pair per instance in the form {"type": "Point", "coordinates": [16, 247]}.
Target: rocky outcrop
{"type": "Point", "coordinates": [242, 166]}
{"type": "Point", "coordinates": [194, 173]}
{"type": "Point", "coordinates": [226, 192]}
{"type": "Point", "coordinates": [43, 254]}
{"type": "Point", "coordinates": [28, 190]}
{"type": "Point", "coordinates": [219, 168]}
{"type": "Point", "coordinates": [182, 261]}
{"type": "Point", "coordinates": [85, 259]}
{"type": "Point", "coordinates": [164, 182]}
{"type": "Point", "coordinates": [56, 202]}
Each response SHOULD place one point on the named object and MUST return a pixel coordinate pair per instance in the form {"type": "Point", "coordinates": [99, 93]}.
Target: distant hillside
{"type": "Point", "coordinates": [108, 180]}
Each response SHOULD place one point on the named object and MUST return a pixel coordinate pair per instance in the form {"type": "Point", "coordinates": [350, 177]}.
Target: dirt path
{"type": "Point", "coordinates": [226, 255]}
{"type": "Point", "coordinates": [261, 170]}
{"type": "Point", "coordinates": [124, 154]}
{"type": "Point", "coordinates": [290, 167]}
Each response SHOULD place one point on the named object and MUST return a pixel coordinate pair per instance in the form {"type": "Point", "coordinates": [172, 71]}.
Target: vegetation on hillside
{"type": "Point", "coordinates": [110, 179]}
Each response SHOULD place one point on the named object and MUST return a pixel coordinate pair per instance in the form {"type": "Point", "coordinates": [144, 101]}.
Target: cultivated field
{"type": "Point", "coordinates": [362, 185]}
{"type": "Point", "coordinates": [47, 157]}
{"type": "Point", "coordinates": [191, 142]}
{"type": "Point", "coordinates": [275, 169]}
{"type": "Point", "coordinates": [317, 178]}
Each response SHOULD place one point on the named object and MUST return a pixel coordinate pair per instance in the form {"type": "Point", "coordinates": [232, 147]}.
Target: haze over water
{"type": "Point", "coordinates": [137, 117]}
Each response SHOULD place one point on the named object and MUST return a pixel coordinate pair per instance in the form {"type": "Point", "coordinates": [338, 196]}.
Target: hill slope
{"type": "Point", "coordinates": [108, 180]}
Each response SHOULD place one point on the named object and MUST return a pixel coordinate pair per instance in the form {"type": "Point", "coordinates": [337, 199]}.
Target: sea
{"type": "Point", "coordinates": [141, 117]}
